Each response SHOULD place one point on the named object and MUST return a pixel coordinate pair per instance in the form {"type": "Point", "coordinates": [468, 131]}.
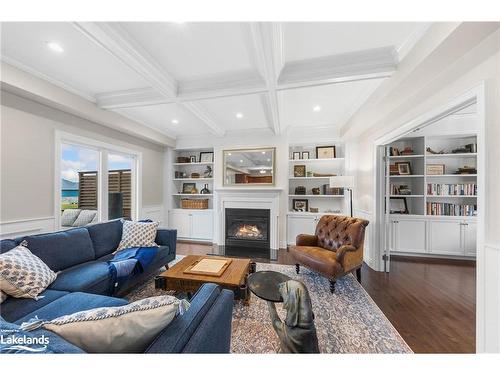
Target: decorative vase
{"type": "Point", "coordinates": [205, 190]}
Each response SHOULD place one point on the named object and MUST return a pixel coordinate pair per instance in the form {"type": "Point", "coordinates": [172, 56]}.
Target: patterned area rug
{"type": "Point", "coordinates": [348, 321]}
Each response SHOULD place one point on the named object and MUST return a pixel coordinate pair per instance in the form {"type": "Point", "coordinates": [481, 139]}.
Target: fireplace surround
{"type": "Point", "coordinates": [247, 227]}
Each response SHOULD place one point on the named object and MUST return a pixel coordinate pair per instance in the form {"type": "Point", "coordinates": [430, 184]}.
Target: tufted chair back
{"type": "Point", "coordinates": [334, 231]}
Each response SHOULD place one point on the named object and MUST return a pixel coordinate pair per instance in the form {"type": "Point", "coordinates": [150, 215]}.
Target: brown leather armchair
{"type": "Point", "coordinates": [335, 250]}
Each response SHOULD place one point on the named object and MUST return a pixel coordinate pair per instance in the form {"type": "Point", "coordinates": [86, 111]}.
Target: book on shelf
{"type": "Point", "coordinates": [452, 189]}
{"type": "Point", "coordinates": [450, 209]}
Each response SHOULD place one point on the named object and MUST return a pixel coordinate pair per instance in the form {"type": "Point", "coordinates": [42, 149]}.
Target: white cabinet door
{"type": "Point", "coordinates": [202, 226]}
{"type": "Point", "coordinates": [469, 231]}
{"type": "Point", "coordinates": [300, 224]}
{"type": "Point", "coordinates": [409, 236]}
{"type": "Point", "coordinates": [445, 237]}
{"type": "Point", "coordinates": [182, 222]}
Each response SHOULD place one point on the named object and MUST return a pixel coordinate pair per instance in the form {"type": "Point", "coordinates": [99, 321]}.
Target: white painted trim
{"type": "Point", "coordinates": [412, 40]}
{"type": "Point", "coordinates": [474, 95]}
{"type": "Point", "coordinates": [131, 98]}
{"type": "Point", "coordinates": [24, 227]}
{"type": "Point", "coordinates": [103, 148]}
{"type": "Point", "coordinates": [202, 114]}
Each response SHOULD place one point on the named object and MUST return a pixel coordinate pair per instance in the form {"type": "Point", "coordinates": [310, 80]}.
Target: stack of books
{"type": "Point", "coordinates": [451, 189]}
{"type": "Point", "coordinates": [450, 209]}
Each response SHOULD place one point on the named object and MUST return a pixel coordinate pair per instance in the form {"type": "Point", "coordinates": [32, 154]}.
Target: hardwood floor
{"type": "Point", "coordinates": [430, 302]}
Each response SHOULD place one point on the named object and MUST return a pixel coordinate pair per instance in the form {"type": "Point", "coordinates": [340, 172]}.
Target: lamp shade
{"type": "Point", "coordinates": [342, 182]}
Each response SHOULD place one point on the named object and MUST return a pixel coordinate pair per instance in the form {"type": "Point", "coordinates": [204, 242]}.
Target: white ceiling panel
{"type": "Point", "coordinates": [161, 117]}
{"type": "Point", "coordinates": [191, 51]}
{"type": "Point", "coordinates": [336, 103]}
{"type": "Point", "coordinates": [306, 40]}
{"type": "Point", "coordinates": [83, 65]}
{"type": "Point", "coordinates": [226, 109]}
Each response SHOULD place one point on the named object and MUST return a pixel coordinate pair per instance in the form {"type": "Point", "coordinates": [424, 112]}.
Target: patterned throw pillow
{"type": "Point", "coordinates": [85, 218]}
{"type": "Point", "coordinates": [137, 234]}
{"type": "Point", "coordinates": [69, 216]}
{"type": "Point", "coordinates": [23, 274]}
{"type": "Point", "coordinates": [123, 329]}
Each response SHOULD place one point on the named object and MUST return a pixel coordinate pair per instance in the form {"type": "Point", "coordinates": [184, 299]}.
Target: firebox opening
{"type": "Point", "coordinates": [247, 227]}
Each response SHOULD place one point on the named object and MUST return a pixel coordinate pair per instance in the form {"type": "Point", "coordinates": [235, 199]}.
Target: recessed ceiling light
{"type": "Point", "coordinates": [239, 115]}
{"type": "Point", "coordinates": [175, 121]}
{"type": "Point", "coordinates": [229, 154]}
{"type": "Point", "coordinates": [263, 152]}
{"type": "Point", "coordinates": [317, 108]}
{"type": "Point", "coordinates": [241, 161]}
{"type": "Point", "coordinates": [54, 46]}
{"type": "Point", "coordinates": [268, 159]}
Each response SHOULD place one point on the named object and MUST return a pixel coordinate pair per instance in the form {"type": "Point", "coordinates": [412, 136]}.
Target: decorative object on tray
{"type": "Point", "coordinates": [407, 151]}
{"type": "Point", "coordinates": [393, 170]}
{"type": "Point", "coordinates": [300, 190]}
{"type": "Point", "coordinates": [316, 191]}
{"type": "Point", "coordinates": [325, 152]}
{"type": "Point", "coordinates": [327, 190]}
{"type": "Point", "coordinates": [305, 155]}
{"type": "Point", "coordinates": [206, 157]}
{"type": "Point", "coordinates": [466, 170]}
{"type": "Point", "coordinates": [314, 209]}
{"type": "Point", "coordinates": [315, 174]}
{"type": "Point", "coordinates": [183, 159]}
{"type": "Point", "coordinates": [205, 190]}
{"type": "Point", "coordinates": [179, 174]}
{"type": "Point", "coordinates": [194, 204]}
{"type": "Point", "coordinates": [434, 169]}
{"type": "Point", "coordinates": [398, 206]}
{"type": "Point", "coordinates": [208, 266]}
{"type": "Point", "coordinates": [300, 205]}
{"type": "Point", "coordinates": [432, 152]}
{"type": "Point", "coordinates": [296, 155]}
{"type": "Point", "coordinates": [192, 159]}
{"type": "Point", "coordinates": [189, 188]}
{"type": "Point", "coordinates": [208, 172]}
{"type": "Point", "coordinates": [299, 171]}
{"type": "Point", "coordinates": [195, 175]}
{"type": "Point", "coordinates": [404, 168]}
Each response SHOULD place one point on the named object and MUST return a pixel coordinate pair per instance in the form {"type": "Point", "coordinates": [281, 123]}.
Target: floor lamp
{"type": "Point", "coordinates": [346, 182]}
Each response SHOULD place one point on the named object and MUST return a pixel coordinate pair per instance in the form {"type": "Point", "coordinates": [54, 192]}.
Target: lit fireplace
{"type": "Point", "coordinates": [247, 227]}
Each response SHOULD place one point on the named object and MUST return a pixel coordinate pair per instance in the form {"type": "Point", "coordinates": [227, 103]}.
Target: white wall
{"type": "Point", "coordinates": [263, 139]}
{"type": "Point", "coordinates": [433, 90]}
{"type": "Point", "coordinates": [27, 161]}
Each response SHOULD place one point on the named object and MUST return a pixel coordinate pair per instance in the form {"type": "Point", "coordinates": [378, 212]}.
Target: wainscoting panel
{"type": "Point", "coordinates": [367, 254]}
{"type": "Point", "coordinates": [18, 228]}
{"type": "Point", "coordinates": [154, 213]}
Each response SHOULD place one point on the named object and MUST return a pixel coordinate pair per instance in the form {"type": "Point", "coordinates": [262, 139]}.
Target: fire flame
{"type": "Point", "coordinates": [247, 230]}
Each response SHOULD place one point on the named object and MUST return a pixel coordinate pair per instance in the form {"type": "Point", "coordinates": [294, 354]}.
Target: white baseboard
{"type": "Point", "coordinates": [153, 212]}
{"type": "Point", "coordinates": [25, 227]}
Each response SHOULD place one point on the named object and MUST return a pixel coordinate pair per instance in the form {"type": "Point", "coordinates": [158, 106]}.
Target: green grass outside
{"type": "Point", "coordinates": [66, 205]}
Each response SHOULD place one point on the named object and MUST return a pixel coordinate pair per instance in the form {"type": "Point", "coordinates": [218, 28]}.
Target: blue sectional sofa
{"type": "Point", "coordinates": [84, 282]}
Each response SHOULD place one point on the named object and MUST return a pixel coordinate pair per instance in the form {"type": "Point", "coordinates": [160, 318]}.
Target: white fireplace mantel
{"type": "Point", "coordinates": [256, 198]}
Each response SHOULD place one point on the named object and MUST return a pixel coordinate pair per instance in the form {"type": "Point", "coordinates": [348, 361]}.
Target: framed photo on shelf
{"type": "Point", "coordinates": [192, 159]}
{"type": "Point", "coordinates": [296, 155]}
{"type": "Point", "coordinates": [404, 168]}
{"type": "Point", "coordinates": [325, 152]}
{"type": "Point", "coordinates": [434, 169]}
{"type": "Point", "coordinates": [300, 205]}
{"type": "Point", "coordinates": [398, 206]}
{"type": "Point", "coordinates": [305, 155]}
{"type": "Point", "coordinates": [299, 171]}
{"type": "Point", "coordinates": [188, 187]}
{"type": "Point", "coordinates": [206, 157]}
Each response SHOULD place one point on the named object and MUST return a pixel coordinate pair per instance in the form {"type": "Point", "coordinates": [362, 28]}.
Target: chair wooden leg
{"type": "Point", "coordinates": [297, 268]}
{"type": "Point", "coordinates": [332, 286]}
{"type": "Point", "coordinates": [166, 266]}
{"type": "Point", "coordinates": [358, 274]}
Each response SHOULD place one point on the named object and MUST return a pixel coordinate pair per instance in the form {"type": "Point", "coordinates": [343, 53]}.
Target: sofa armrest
{"type": "Point", "coordinates": [341, 251]}
{"type": "Point", "coordinates": [306, 240]}
{"type": "Point", "coordinates": [167, 237]}
{"type": "Point", "coordinates": [175, 337]}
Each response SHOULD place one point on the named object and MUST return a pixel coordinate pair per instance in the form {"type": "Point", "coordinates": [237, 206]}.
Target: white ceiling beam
{"type": "Point", "coordinates": [116, 41]}
{"type": "Point", "coordinates": [131, 98]}
{"type": "Point", "coordinates": [202, 114]}
{"type": "Point", "coordinates": [265, 45]}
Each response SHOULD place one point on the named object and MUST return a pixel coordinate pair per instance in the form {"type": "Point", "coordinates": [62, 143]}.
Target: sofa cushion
{"type": "Point", "coordinates": [90, 277]}
{"type": "Point", "coordinates": [6, 245]}
{"type": "Point", "coordinates": [85, 218]}
{"type": "Point", "coordinates": [16, 308]}
{"type": "Point", "coordinates": [122, 329]}
{"type": "Point", "coordinates": [70, 304]}
{"type": "Point", "coordinates": [105, 237]}
{"type": "Point", "coordinates": [138, 234]}
{"type": "Point", "coordinates": [23, 274]}
{"type": "Point", "coordinates": [54, 343]}
{"type": "Point", "coordinates": [69, 216]}
{"type": "Point", "coordinates": [61, 250]}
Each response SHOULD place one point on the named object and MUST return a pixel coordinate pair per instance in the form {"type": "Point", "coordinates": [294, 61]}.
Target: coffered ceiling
{"type": "Point", "coordinates": [192, 79]}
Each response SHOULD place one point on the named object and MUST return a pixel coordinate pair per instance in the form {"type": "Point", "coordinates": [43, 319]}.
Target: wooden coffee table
{"type": "Point", "coordinates": [234, 277]}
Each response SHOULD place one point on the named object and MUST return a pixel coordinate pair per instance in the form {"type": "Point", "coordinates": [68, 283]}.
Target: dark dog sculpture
{"type": "Point", "coordinates": [297, 333]}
